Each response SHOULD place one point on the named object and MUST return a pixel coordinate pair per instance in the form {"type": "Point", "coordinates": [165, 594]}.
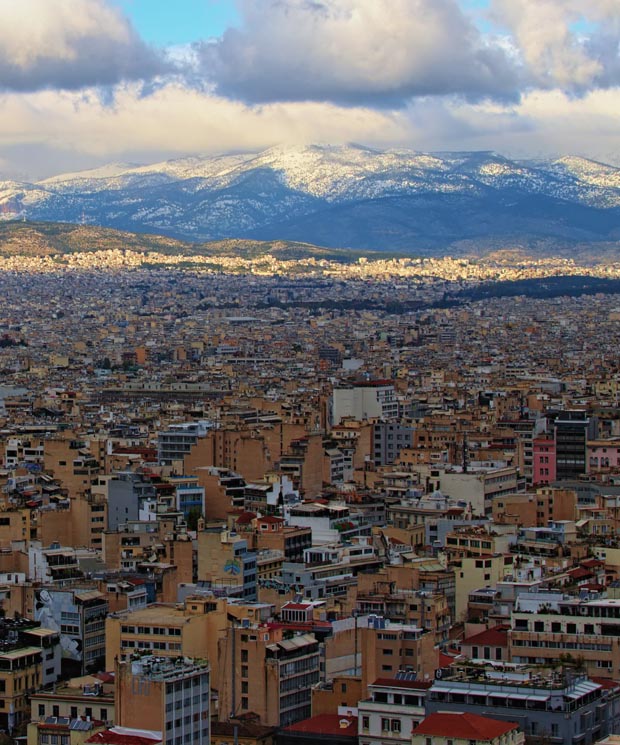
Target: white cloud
{"type": "Point", "coordinates": [380, 52]}
{"type": "Point", "coordinates": [174, 121]}
{"type": "Point", "coordinates": [570, 44]}
{"type": "Point", "coordinates": [545, 123]}
{"type": "Point", "coordinates": [69, 44]}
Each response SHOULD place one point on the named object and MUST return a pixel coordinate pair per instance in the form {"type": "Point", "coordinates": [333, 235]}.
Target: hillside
{"type": "Point", "coordinates": [18, 238]}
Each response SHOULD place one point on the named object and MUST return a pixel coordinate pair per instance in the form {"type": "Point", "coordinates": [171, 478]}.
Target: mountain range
{"type": "Point", "coordinates": [345, 196]}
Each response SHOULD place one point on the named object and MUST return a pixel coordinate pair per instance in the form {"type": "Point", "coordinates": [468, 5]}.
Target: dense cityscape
{"type": "Point", "coordinates": [309, 372]}
{"type": "Point", "coordinates": [403, 523]}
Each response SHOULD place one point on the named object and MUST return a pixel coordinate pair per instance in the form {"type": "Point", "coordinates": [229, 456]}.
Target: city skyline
{"type": "Point", "coordinates": [88, 82]}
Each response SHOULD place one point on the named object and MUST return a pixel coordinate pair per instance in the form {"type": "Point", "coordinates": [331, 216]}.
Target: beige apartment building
{"type": "Point", "coordinates": [389, 648]}
{"type": "Point", "coordinates": [165, 630]}
{"type": "Point", "coordinates": [546, 626]}
{"type": "Point", "coordinates": [267, 671]}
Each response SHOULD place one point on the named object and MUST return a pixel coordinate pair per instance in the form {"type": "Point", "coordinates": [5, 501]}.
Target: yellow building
{"type": "Point", "coordinates": [166, 630]}
{"type": "Point", "coordinates": [62, 731]}
{"type": "Point", "coordinates": [475, 572]}
{"type": "Point", "coordinates": [20, 675]}
{"type": "Point", "coordinates": [84, 697]}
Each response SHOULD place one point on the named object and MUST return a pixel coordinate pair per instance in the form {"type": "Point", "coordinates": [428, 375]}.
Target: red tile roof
{"type": "Point", "coordinates": [445, 660]}
{"type": "Point", "coordinates": [605, 682]}
{"type": "Point", "coordinates": [591, 563]}
{"type": "Point", "coordinates": [327, 724]}
{"type": "Point", "coordinates": [579, 573]}
{"type": "Point", "coordinates": [245, 518]}
{"type": "Point", "coordinates": [464, 726]}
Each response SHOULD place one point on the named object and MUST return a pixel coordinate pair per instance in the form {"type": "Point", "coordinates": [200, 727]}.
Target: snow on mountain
{"type": "Point", "coordinates": [338, 195]}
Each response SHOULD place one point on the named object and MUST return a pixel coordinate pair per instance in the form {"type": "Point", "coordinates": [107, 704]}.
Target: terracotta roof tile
{"type": "Point", "coordinates": [464, 726]}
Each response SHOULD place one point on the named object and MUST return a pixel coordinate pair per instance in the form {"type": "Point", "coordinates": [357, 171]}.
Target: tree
{"type": "Point", "coordinates": [194, 514]}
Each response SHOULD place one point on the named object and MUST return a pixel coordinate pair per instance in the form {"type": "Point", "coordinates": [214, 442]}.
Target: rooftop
{"type": "Point", "coordinates": [464, 726]}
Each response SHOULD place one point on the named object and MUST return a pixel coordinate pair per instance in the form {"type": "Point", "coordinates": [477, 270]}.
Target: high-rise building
{"type": "Point", "coordinates": [572, 431]}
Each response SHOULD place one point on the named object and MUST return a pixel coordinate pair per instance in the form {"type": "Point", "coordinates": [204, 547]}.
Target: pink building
{"type": "Point", "coordinates": [603, 454]}
{"type": "Point", "coordinates": [543, 461]}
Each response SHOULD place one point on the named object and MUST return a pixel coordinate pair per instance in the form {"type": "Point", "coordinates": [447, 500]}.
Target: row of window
{"type": "Point", "coordinates": [155, 630]}
{"type": "Point", "coordinates": [73, 712]}
{"type": "Point", "coordinates": [162, 646]}
{"type": "Point", "coordinates": [542, 644]}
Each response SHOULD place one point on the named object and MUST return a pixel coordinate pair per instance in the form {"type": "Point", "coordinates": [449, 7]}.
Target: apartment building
{"type": "Point", "coordinates": [393, 709]}
{"type": "Point", "coordinates": [171, 696]}
{"type": "Point", "coordinates": [562, 706]}
{"type": "Point", "coordinates": [225, 564]}
{"type": "Point", "coordinates": [85, 697]}
{"type": "Point", "coordinates": [271, 673]}
{"type": "Point", "coordinates": [546, 625]}
{"type": "Point", "coordinates": [390, 648]}
{"type": "Point", "coordinates": [166, 630]}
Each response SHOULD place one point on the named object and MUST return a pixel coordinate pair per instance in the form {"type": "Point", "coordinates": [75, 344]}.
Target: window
{"type": "Point", "coordinates": [74, 712]}
{"type": "Point", "coordinates": [55, 711]}
{"type": "Point", "coordinates": [385, 724]}
{"type": "Point", "coordinates": [395, 725]}
{"type": "Point", "coordinates": [41, 710]}
{"type": "Point", "coordinates": [365, 723]}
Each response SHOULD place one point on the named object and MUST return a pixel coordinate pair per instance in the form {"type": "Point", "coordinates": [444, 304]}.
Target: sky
{"type": "Point", "coordinates": [89, 82]}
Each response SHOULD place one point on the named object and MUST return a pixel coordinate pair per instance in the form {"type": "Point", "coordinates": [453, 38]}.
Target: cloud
{"type": "Point", "coordinates": [51, 127]}
{"type": "Point", "coordinates": [566, 44]}
{"type": "Point", "coordinates": [69, 44]}
{"type": "Point", "coordinates": [376, 52]}
{"type": "Point", "coordinates": [51, 132]}
{"type": "Point", "coordinates": [544, 124]}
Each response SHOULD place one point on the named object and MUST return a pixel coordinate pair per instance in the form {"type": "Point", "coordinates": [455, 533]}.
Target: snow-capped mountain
{"type": "Point", "coordinates": [347, 196]}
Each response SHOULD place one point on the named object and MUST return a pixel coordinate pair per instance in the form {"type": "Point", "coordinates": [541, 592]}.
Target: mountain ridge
{"type": "Point", "coordinates": [352, 196]}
